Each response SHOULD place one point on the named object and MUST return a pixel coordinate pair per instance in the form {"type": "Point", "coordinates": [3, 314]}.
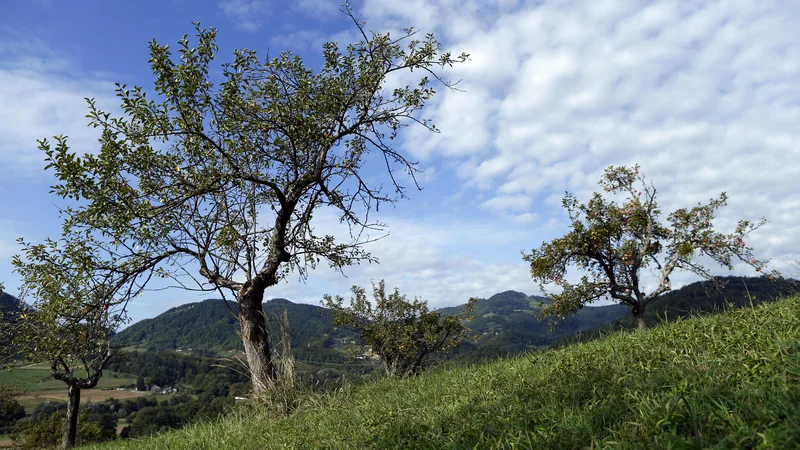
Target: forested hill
{"type": "Point", "coordinates": [509, 323]}
{"type": "Point", "coordinates": [8, 303]}
{"type": "Point", "coordinates": [209, 327]}
{"type": "Point", "coordinates": [505, 323]}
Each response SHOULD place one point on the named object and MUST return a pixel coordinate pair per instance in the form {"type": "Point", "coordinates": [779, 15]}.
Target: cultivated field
{"type": "Point", "coordinates": [40, 386]}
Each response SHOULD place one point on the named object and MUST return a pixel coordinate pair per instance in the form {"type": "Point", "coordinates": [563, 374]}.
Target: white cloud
{"type": "Point", "coordinates": [247, 15]}
{"type": "Point", "coordinates": [323, 9]}
{"type": "Point", "coordinates": [704, 95]}
{"type": "Point", "coordinates": [432, 258]}
{"type": "Point", "coordinates": [525, 218]}
{"type": "Point", "coordinates": [508, 202]}
{"type": "Point", "coordinates": [6, 249]}
{"type": "Point", "coordinates": [43, 95]}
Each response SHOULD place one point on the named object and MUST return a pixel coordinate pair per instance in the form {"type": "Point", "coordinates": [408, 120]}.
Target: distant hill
{"type": "Point", "coordinates": [508, 323]}
{"type": "Point", "coordinates": [9, 306]}
{"type": "Point", "coordinates": [701, 298]}
{"type": "Point", "coordinates": [9, 303]}
{"type": "Point", "coordinates": [209, 328]}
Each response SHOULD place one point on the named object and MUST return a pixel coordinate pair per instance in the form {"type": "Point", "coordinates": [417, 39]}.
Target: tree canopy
{"type": "Point", "coordinates": [215, 185]}
{"type": "Point", "coordinates": [614, 243]}
{"type": "Point", "coordinates": [75, 310]}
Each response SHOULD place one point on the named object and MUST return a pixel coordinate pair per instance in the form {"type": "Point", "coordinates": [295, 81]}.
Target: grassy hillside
{"type": "Point", "coordinates": [699, 298]}
{"type": "Point", "coordinates": [729, 381]}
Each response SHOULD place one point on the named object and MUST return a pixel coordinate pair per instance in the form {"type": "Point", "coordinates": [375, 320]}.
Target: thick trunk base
{"type": "Point", "coordinates": [638, 316]}
{"type": "Point", "coordinates": [71, 421]}
{"type": "Point", "coordinates": [256, 343]}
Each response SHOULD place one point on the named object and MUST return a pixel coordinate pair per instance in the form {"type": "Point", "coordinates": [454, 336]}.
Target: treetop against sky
{"type": "Point", "coordinates": [703, 95]}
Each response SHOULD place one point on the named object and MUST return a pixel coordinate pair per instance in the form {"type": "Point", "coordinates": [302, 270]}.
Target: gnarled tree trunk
{"type": "Point", "coordinates": [638, 315]}
{"type": "Point", "coordinates": [255, 338]}
{"type": "Point", "coordinates": [71, 422]}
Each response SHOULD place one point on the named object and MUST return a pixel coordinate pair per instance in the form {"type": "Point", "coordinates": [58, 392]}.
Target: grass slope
{"type": "Point", "coordinates": [724, 381]}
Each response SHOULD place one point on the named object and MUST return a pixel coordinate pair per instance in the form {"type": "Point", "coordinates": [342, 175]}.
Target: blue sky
{"type": "Point", "coordinates": [704, 95]}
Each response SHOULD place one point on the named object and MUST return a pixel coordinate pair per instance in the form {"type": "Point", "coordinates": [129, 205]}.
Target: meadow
{"type": "Point", "coordinates": [730, 380]}
{"type": "Point", "coordinates": [39, 386]}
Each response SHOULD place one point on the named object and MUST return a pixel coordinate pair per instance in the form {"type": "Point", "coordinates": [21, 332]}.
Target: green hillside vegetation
{"type": "Point", "coordinates": [730, 380]}
{"type": "Point", "coordinates": [700, 298]}
{"type": "Point", "coordinates": [506, 323]}
{"type": "Point", "coordinates": [8, 306]}
{"type": "Point", "coordinates": [509, 323]}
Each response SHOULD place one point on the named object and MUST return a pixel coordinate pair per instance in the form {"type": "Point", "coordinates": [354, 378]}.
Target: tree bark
{"type": "Point", "coordinates": [71, 421]}
{"type": "Point", "coordinates": [638, 315]}
{"type": "Point", "coordinates": [255, 338]}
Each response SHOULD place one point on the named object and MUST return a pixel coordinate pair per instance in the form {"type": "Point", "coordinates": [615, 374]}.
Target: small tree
{"type": "Point", "coordinates": [403, 333]}
{"type": "Point", "coordinates": [140, 384]}
{"type": "Point", "coordinates": [70, 322]}
{"type": "Point", "coordinates": [43, 432]}
{"type": "Point", "coordinates": [220, 182]}
{"type": "Point", "coordinates": [615, 242]}
{"type": "Point", "coordinates": [10, 409]}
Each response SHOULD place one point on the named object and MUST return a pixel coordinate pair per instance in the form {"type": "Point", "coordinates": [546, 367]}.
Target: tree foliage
{"type": "Point", "coordinates": [215, 185]}
{"type": "Point", "coordinates": [614, 243]}
{"type": "Point", "coordinates": [45, 430]}
{"type": "Point", "coordinates": [404, 333]}
{"type": "Point", "coordinates": [75, 309]}
{"type": "Point", "coordinates": [10, 409]}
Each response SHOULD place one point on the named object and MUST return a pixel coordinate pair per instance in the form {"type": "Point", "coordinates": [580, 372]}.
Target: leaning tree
{"type": "Point", "coordinates": [215, 182]}
{"type": "Point", "coordinates": [618, 243]}
{"type": "Point", "coordinates": [76, 304]}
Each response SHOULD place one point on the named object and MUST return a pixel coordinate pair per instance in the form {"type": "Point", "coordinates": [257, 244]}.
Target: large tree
{"type": "Point", "coordinates": [75, 307]}
{"type": "Point", "coordinates": [618, 237]}
{"type": "Point", "coordinates": [215, 184]}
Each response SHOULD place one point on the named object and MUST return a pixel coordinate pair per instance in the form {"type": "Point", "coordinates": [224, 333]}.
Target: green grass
{"type": "Point", "coordinates": [37, 378]}
{"type": "Point", "coordinates": [32, 378]}
{"type": "Point", "coordinates": [725, 381]}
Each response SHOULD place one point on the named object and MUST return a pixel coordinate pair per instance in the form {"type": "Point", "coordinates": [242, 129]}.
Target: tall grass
{"type": "Point", "coordinates": [725, 381]}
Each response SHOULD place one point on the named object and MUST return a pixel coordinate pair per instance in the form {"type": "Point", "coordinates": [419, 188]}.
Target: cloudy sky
{"type": "Point", "coordinates": [704, 95]}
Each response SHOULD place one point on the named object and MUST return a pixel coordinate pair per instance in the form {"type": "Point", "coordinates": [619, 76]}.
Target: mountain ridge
{"type": "Point", "coordinates": [505, 323]}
